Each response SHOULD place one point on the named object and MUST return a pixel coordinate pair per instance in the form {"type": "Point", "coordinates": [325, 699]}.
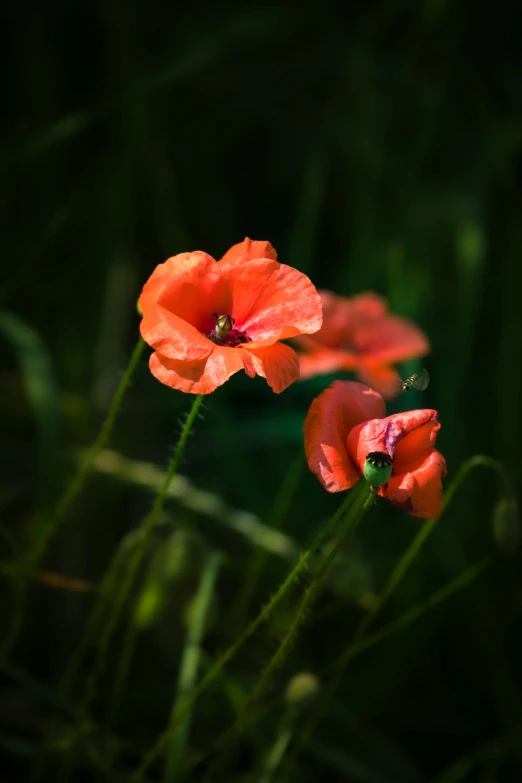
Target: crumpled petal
{"type": "Point", "coordinates": [332, 415]}
{"type": "Point", "coordinates": [271, 301]}
{"type": "Point", "coordinates": [416, 445]}
{"type": "Point", "coordinates": [418, 491]}
{"type": "Point", "coordinates": [247, 250]}
{"type": "Point", "coordinates": [277, 363]}
{"type": "Point", "coordinates": [384, 434]}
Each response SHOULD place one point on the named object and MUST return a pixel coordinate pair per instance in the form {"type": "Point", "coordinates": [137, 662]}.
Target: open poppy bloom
{"type": "Point", "coordinates": [206, 320]}
{"type": "Point", "coordinates": [347, 433]}
{"type": "Point", "coordinates": [359, 333]}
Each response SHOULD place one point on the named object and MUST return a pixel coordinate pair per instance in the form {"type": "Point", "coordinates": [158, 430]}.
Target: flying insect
{"type": "Point", "coordinates": [418, 381]}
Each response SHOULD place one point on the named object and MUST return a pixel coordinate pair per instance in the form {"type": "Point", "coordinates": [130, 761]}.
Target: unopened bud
{"type": "Point", "coordinates": [301, 689]}
{"type": "Point", "coordinates": [506, 527]}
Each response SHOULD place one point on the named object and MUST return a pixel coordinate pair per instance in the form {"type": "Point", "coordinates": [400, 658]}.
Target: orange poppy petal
{"type": "Point", "coordinates": [342, 316]}
{"type": "Point", "coordinates": [277, 363]}
{"type": "Point", "coordinates": [385, 434]}
{"type": "Point", "coordinates": [202, 376]}
{"type": "Point", "coordinates": [391, 339]}
{"type": "Point", "coordinates": [369, 304]}
{"type": "Point", "coordinates": [177, 303]}
{"type": "Point", "coordinates": [381, 378]}
{"type": "Point", "coordinates": [271, 301]}
{"type": "Point", "coordinates": [247, 250]}
{"type": "Point", "coordinates": [419, 491]}
{"type": "Point", "coordinates": [332, 415]}
{"type": "Point", "coordinates": [416, 445]}
{"type": "Point", "coordinates": [322, 362]}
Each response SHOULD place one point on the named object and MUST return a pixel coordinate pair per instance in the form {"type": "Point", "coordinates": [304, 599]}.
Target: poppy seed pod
{"type": "Point", "coordinates": [346, 425]}
{"type": "Point", "coordinates": [377, 468]}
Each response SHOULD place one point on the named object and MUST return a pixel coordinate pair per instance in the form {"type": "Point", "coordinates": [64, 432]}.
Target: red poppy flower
{"type": "Point", "coordinates": [206, 320]}
{"type": "Point", "coordinates": [347, 422]}
{"type": "Point", "coordinates": [360, 334]}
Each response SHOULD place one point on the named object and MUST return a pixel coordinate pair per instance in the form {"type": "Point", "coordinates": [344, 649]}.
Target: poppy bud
{"type": "Point", "coordinates": [301, 689]}
{"type": "Point", "coordinates": [377, 468]}
{"type": "Point", "coordinates": [506, 528]}
{"type": "Point", "coordinates": [224, 324]}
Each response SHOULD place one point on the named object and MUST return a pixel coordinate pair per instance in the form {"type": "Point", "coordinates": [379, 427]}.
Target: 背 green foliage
{"type": "Point", "coordinates": [378, 146]}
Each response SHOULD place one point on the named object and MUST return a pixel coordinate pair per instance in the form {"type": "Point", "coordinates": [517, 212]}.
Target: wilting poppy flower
{"type": "Point", "coordinates": [346, 424]}
{"type": "Point", "coordinates": [206, 320]}
{"type": "Point", "coordinates": [359, 333]}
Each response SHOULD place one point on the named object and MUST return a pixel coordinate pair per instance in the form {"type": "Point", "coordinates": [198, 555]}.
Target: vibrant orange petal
{"type": "Point", "coordinates": [271, 301]}
{"type": "Point", "coordinates": [247, 250]}
{"type": "Point", "coordinates": [177, 303]}
{"type": "Point", "coordinates": [385, 434]}
{"type": "Point", "coordinates": [381, 378]}
{"type": "Point", "coordinates": [205, 375]}
{"type": "Point", "coordinates": [418, 491]}
{"type": "Point", "coordinates": [332, 415]}
{"type": "Point", "coordinates": [277, 363]}
{"type": "Point", "coordinates": [416, 445]}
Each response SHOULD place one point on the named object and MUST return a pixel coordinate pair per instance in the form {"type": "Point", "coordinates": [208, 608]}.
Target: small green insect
{"type": "Point", "coordinates": [224, 324]}
{"type": "Point", "coordinates": [418, 381]}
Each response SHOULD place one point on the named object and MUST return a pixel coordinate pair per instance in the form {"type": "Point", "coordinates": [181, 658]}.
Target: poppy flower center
{"type": "Point", "coordinates": [225, 333]}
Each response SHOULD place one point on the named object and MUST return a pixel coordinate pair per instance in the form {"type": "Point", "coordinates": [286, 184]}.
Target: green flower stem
{"type": "Point", "coordinates": [364, 498]}
{"type": "Point", "coordinates": [134, 562]}
{"type": "Point", "coordinates": [413, 550]}
{"type": "Point", "coordinates": [259, 557]}
{"type": "Point", "coordinates": [417, 611]}
{"type": "Point", "coordinates": [362, 502]}
{"type": "Point", "coordinates": [45, 534]}
{"type": "Point", "coordinates": [234, 648]}
{"type": "Point", "coordinates": [396, 577]}
{"type": "Point", "coordinates": [176, 760]}
{"type": "Point", "coordinates": [91, 628]}
{"type": "Point", "coordinates": [86, 467]}
{"type": "Point", "coordinates": [277, 751]}
{"type": "Point", "coordinates": [403, 621]}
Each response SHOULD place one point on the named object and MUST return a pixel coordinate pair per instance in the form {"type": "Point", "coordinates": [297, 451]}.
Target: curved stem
{"type": "Point", "coordinates": [234, 648]}
{"type": "Point", "coordinates": [44, 535]}
{"type": "Point", "coordinates": [398, 573]}
{"type": "Point", "coordinates": [135, 560]}
{"type": "Point", "coordinates": [78, 480]}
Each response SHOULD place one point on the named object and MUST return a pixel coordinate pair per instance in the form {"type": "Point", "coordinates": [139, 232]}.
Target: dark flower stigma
{"type": "Point", "coordinates": [379, 459]}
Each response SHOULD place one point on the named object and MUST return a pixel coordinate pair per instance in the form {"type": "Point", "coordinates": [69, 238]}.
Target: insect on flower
{"type": "Point", "coordinates": [418, 381]}
{"type": "Point", "coordinates": [207, 319]}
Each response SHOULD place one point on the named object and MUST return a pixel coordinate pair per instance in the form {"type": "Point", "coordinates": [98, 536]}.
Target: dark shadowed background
{"type": "Point", "coordinates": [377, 146]}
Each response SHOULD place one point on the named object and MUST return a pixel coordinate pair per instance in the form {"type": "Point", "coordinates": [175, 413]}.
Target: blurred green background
{"type": "Point", "coordinates": [377, 146]}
